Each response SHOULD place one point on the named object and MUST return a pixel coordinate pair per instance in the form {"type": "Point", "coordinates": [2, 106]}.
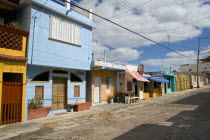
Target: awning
{"type": "Point", "coordinates": [137, 76]}
{"type": "Point", "coordinates": [161, 80]}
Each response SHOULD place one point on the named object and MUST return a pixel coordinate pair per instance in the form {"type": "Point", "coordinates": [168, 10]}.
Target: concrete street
{"type": "Point", "coordinates": [176, 116]}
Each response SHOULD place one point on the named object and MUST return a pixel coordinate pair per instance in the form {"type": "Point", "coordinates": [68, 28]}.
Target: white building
{"type": "Point", "coordinates": [203, 67]}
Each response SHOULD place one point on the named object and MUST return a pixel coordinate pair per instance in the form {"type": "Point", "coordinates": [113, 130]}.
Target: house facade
{"type": "Point", "coordinates": [203, 68]}
{"type": "Point", "coordinates": [189, 79]}
{"type": "Point", "coordinates": [169, 86]}
{"type": "Point", "coordinates": [156, 86]}
{"type": "Point", "coordinates": [12, 65]}
{"type": "Point", "coordinates": [59, 53]}
{"type": "Point", "coordinates": [102, 81]}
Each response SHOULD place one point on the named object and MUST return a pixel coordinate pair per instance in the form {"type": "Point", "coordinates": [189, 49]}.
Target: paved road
{"type": "Point", "coordinates": [183, 116]}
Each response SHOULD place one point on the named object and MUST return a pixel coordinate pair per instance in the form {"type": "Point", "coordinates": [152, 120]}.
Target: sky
{"type": "Point", "coordinates": [176, 24]}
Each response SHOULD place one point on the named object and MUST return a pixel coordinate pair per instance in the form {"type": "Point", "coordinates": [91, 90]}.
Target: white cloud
{"type": "Point", "coordinates": [161, 16]}
{"type": "Point", "coordinates": [154, 16]}
{"type": "Point", "coordinates": [175, 60]}
{"type": "Point", "coordinates": [115, 55]}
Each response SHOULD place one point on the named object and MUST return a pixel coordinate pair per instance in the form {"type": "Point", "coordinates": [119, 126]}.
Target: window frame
{"type": "Point", "coordinates": [79, 91]}
{"type": "Point", "coordinates": [36, 92]}
{"type": "Point", "coordinates": [70, 27]}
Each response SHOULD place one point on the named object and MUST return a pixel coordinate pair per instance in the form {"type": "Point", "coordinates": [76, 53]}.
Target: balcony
{"type": "Point", "coordinates": [12, 41]}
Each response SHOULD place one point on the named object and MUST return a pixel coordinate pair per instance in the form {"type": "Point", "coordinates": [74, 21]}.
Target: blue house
{"type": "Point", "coordinates": [169, 86]}
{"type": "Point", "coordinates": [59, 52]}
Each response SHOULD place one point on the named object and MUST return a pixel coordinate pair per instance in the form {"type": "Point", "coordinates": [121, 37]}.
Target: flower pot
{"type": "Point", "coordinates": [38, 113]}
{"type": "Point", "coordinates": [111, 101]}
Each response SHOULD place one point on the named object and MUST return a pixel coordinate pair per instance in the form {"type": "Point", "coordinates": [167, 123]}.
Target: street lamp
{"type": "Point", "coordinates": [198, 58]}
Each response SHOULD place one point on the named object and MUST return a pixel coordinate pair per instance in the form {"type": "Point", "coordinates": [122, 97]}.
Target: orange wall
{"type": "Point", "coordinates": [105, 93]}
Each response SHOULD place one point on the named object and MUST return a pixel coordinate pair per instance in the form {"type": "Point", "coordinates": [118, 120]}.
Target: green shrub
{"type": "Point", "coordinates": [14, 24]}
{"type": "Point", "coordinates": [1, 21]}
{"type": "Point", "coordinates": [35, 104]}
{"type": "Point", "coordinates": [111, 97]}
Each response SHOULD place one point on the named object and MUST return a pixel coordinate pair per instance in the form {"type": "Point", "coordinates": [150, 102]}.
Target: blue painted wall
{"type": "Point", "coordinates": [172, 82]}
{"type": "Point", "coordinates": [53, 53]}
{"type": "Point", "coordinates": [32, 71]}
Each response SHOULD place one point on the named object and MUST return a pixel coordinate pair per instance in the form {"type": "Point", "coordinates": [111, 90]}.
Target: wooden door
{"type": "Point", "coordinates": [11, 106]}
{"type": "Point", "coordinates": [59, 93]}
{"type": "Point", "coordinates": [97, 89]}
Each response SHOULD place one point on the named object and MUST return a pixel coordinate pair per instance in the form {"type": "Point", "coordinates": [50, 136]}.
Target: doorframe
{"type": "Point", "coordinates": [66, 92]}
{"type": "Point", "coordinates": [100, 90]}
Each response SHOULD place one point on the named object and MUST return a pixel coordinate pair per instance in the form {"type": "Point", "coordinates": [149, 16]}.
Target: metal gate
{"type": "Point", "coordinates": [11, 105]}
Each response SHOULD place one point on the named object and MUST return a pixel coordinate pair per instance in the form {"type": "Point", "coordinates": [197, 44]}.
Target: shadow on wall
{"type": "Point", "coordinates": [186, 125]}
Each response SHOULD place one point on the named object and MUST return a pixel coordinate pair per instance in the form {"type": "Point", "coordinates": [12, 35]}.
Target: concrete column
{"type": "Point", "coordinates": [67, 4]}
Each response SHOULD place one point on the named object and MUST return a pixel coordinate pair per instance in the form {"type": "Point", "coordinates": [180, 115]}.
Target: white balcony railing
{"type": "Point", "coordinates": [73, 8]}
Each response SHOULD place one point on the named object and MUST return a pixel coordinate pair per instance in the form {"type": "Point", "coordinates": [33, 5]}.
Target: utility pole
{"type": "Point", "coordinates": [198, 59]}
{"type": "Point", "coordinates": [170, 68]}
{"type": "Point", "coordinates": [105, 55]}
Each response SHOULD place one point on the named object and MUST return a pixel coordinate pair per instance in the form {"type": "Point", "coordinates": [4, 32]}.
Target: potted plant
{"type": "Point", "coordinates": [36, 109]}
{"type": "Point", "coordinates": [15, 25]}
{"type": "Point", "coordinates": [111, 99]}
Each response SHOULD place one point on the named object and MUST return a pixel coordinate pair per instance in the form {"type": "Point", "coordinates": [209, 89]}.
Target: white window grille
{"type": "Point", "coordinates": [64, 31]}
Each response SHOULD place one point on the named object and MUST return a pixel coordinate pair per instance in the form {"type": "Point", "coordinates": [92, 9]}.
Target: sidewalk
{"type": "Point", "coordinates": [53, 122]}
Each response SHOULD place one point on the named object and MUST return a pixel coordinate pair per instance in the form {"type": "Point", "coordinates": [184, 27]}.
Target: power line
{"type": "Point", "coordinates": [189, 10]}
{"type": "Point", "coordinates": [182, 10]}
{"type": "Point", "coordinates": [40, 8]}
{"type": "Point", "coordinates": [130, 9]}
{"type": "Point", "coordinates": [147, 20]}
{"type": "Point", "coordinates": [172, 10]}
{"type": "Point", "coordinates": [179, 26]}
{"type": "Point", "coordinates": [130, 31]}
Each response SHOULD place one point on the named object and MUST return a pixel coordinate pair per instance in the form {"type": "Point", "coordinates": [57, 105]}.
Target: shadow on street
{"type": "Point", "coordinates": [187, 125]}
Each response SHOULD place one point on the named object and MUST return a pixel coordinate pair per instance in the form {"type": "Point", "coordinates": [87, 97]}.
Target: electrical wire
{"type": "Point", "coordinates": [131, 31]}
{"type": "Point", "coordinates": [145, 19]}
{"type": "Point", "coordinates": [130, 9]}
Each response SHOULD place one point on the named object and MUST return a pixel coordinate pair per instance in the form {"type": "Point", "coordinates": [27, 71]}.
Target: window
{"type": "Point", "coordinates": [75, 78]}
{"type": "Point", "coordinates": [129, 86]}
{"type": "Point", "coordinates": [194, 78]}
{"type": "Point", "coordinates": [64, 31]}
{"type": "Point", "coordinates": [109, 83]}
{"type": "Point", "coordinates": [76, 91]}
{"type": "Point", "coordinates": [42, 77]}
{"type": "Point", "coordinates": [39, 92]}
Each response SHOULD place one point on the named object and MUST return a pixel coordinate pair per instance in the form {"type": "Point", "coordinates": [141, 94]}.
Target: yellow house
{"type": "Point", "coordinates": [12, 74]}
{"type": "Point", "coordinates": [102, 80]}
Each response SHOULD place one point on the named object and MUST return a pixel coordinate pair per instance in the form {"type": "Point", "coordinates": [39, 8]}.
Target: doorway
{"type": "Point", "coordinates": [97, 89]}
{"type": "Point", "coordinates": [11, 104]}
{"type": "Point", "coordinates": [59, 93]}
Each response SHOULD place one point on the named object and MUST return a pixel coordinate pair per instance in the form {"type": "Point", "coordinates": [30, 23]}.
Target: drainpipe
{"type": "Point", "coordinates": [32, 52]}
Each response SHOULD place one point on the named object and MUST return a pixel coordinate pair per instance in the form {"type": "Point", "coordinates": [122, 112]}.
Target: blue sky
{"type": "Point", "coordinates": [151, 16]}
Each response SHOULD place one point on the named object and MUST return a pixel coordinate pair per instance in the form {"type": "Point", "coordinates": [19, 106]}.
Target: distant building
{"type": "Point", "coordinates": [203, 67]}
